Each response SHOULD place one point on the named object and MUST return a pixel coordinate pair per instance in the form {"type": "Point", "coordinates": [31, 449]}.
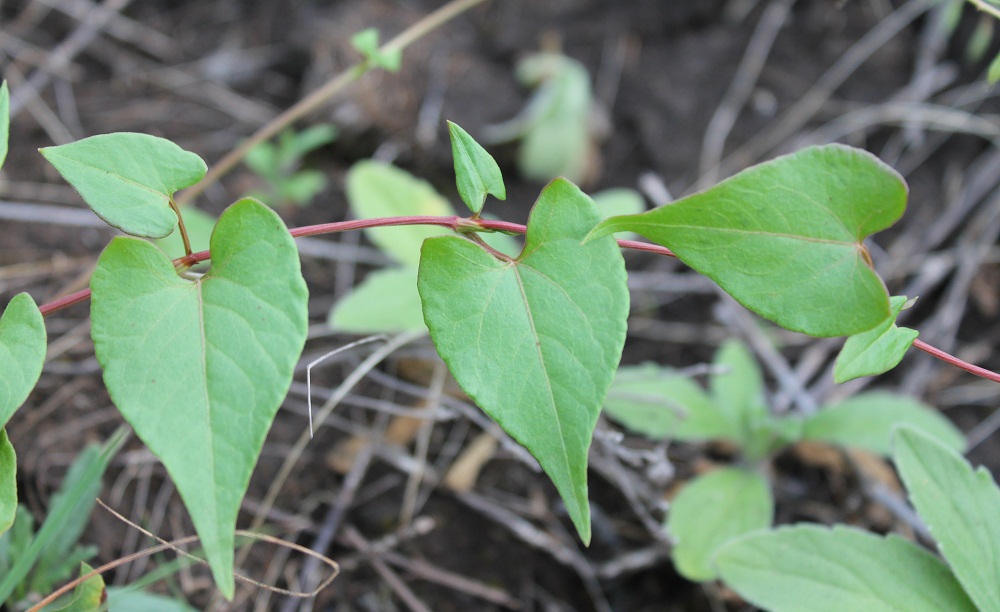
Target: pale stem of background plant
{"type": "Point", "coordinates": [319, 97]}
{"type": "Point", "coordinates": [986, 7]}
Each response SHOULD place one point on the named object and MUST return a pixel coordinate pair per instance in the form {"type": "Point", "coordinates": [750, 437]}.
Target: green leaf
{"type": "Point", "coordinates": [8, 482]}
{"type": "Point", "coordinates": [128, 179]}
{"type": "Point", "coordinates": [785, 237]}
{"type": "Point", "coordinates": [619, 201]}
{"type": "Point", "coordinates": [4, 121]}
{"type": "Point", "coordinates": [993, 72]}
{"type": "Point", "coordinates": [130, 599]}
{"type": "Point", "coordinates": [660, 403]}
{"type": "Point", "coordinates": [867, 420]}
{"type": "Point", "coordinates": [380, 190]}
{"type": "Point", "coordinates": [68, 513]}
{"type": "Point", "coordinates": [558, 146]}
{"type": "Point", "coordinates": [738, 390]}
{"type": "Point", "coordinates": [366, 42]}
{"type": "Point", "coordinates": [88, 596]}
{"type": "Point", "coordinates": [199, 226]}
{"type": "Point", "coordinates": [534, 340]}
{"type": "Point", "coordinates": [386, 302]}
{"type": "Point", "coordinates": [199, 368]}
{"type": "Point", "coordinates": [296, 145]}
{"type": "Point", "coordinates": [476, 172]}
{"type": "Point", "coordinates": [710, 511]}
{"type": "Point", "coordinates": [808, 567]}
{"type": "Point", "coordinates": [959, 506]}
{"type": "Point", "coordinates": [877, 350]}
{"type": "Point", "coordinates": [22, 353]}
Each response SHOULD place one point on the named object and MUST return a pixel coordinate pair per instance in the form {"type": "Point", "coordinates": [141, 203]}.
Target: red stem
{"type": "Point", "coordinates": [462, 224]}
{"type": "Point", "coordinates": [955, 361]}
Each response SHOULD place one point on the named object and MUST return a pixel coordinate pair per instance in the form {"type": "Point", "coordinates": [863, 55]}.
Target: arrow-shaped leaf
{"type": "Point", "coordinates": [534, 340]}
{"type": "Point", "coordinates": [877, 350]}
{"type": "Point", "coordinates": [199, 368]}
{"type": "Point", "coordinates": [128, 179]}
{"type": "Point", "coordinates": [476, 172]}
{"type": "Point", "coordinates": [785, 237]}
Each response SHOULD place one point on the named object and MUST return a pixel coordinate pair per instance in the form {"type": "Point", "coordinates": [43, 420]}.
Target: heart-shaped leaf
{"type": "Point", "coordinates": [785, 237]}
{"type": "Point", "coordinates": [476, 172]}
{"type": "Point", "coordinates": [877, 350]}
{"type": "Point", "coordinates": [128, 179]}
{"type": "Point", "coordinates": [200, 367]}
{"type": "Point", "coordinates": [22, 353]}
{"type": "Point", "coordinates": [534, 340]}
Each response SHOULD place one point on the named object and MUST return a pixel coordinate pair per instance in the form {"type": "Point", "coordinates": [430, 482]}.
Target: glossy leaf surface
{"type": "Point", "coordinates": [959, 506]}
{"type": "Point", "coordinates": [712, 510]}
{"type": "Point", "coordinates": [128, 179]}
{"type": "Point", "coordinates": [785, 237]}
{"type": "Point", "coordinates": [808, 567]}
{"type": "Point", "coordinates": [199, 368]}
{"type": "Point", "coordinates": [22, 353]}
{"type": "Point", "coordinates": [535, 340]}
{"type": "Point", "coordinates": [877, 350]}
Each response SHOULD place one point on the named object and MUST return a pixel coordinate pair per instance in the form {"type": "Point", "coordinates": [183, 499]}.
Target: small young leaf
{"type": "Point", "coordinates": [366, 42]}
{"type": "Point", "coordinates": [808, 567]}
{"type": "Point", "coordinates": [710, 511]}
{"type": "Point", "coordinates": [380, 190]}
{"type": "Point", "coordinates": [199, 368]}
{"type": "Point", "coordinates": [877, 350]}
{"type": "Point", "coordinates": [4, 121]}
{"type": "Point", "coordinates": [128, 179]}
{"type": "Point", "coordinates": [866, 421]}
{"type": "Point", "coordinates": [785, 237]}
{"type": "Point", "coordinates": [386, 302]}
{"type": "Point", "coordinates": [476, 172]}
{"type": "Point", "coordinates": [88, 596]}
{"type": "Point", "coordinates": [660, 403]}
{"type": "Point", "coordinates": [534, 340]}
{"type": "Point", "coordinates": [959, 506]}
{"type": "Point", "coordinates": [22, 353]}
{"type": "Point", "coordinates": [8, 482]}
{"type": "Point", "coordinates": [199, 226]}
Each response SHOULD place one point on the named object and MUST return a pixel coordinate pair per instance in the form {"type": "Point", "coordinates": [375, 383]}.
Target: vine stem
{"type": "Point", "coordinates": [955, 361]}
{"type": "Point", "coordinates": [319, 97]}
{"type": "Point", "coordinates": [466, 225]}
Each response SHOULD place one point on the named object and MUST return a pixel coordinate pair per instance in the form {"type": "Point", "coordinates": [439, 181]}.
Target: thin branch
{"type": "Point", "coordinates": [319, 97]}
{"type": "Point", "coordinates": [955, 361]}
{"type": "Point", "coordinates": [985, 7]}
